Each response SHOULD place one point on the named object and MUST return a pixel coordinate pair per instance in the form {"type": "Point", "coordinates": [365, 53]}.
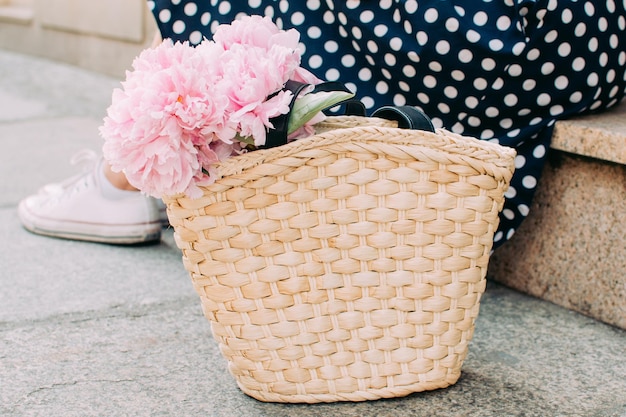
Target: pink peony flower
{"type": "Point", "coordinates": [152, 128]}
{"type": "Point", "coordinates": [256, 31]}
{"type": "Point", "coordinates": [182, 109]}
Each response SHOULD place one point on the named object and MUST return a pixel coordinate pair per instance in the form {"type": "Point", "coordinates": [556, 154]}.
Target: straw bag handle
{"type": "Point", "coordinates": [408, 117]}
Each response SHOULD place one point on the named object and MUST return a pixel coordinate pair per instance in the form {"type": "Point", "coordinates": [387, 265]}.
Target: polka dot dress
{"type": "Point", "coordinates": [499, 70]}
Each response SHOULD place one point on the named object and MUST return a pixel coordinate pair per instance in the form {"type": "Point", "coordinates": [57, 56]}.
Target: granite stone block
{"type": "Point", "coordinates": [571, 250]}
{"type": "Point", "coordinates": [601, 135]}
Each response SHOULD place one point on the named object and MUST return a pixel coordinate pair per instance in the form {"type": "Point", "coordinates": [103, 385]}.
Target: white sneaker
{"type": "Point", "coordinates": [77, 209]}
{"type": "Point", "coordinates": [87, 160]}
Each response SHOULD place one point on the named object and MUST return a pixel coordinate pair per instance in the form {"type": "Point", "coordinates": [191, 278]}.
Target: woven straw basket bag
{"type": "Point", "coordinates": [349, 265]}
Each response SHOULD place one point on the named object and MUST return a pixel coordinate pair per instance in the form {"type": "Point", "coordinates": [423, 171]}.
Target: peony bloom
{"type": "Point", "coordinates": [182, 109]}
{"type": "Point", "coordinates": [152, 128]}
{"type": "Point", "coordinates": [258, 32]}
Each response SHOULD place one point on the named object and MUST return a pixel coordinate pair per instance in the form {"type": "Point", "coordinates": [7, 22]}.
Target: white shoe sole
{"type": "Point", "coordinates": [118, 234]}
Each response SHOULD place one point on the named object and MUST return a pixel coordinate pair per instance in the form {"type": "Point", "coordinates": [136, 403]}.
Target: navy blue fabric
{"type": "Point", "coordinates": [499, 70]}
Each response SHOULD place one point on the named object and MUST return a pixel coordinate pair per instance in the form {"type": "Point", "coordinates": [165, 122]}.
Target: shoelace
{"type": "Point", "coordinates": [84, 157]}
{"type": "Point", "coordinates": [86, 160]}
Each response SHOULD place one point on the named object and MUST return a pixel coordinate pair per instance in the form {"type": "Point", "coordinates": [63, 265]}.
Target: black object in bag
{"type": "Point", "coordinates": [408, 117]}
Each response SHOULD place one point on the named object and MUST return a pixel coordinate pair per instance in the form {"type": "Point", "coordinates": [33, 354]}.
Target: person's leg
{"type": "Point", "coordinates": [486, 69]}
{"type": "Point", "coordinates": [117, 179]}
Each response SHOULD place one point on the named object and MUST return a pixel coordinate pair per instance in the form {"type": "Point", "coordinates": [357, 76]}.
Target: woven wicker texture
{"type": "Point", "coordinates": [347, 266]}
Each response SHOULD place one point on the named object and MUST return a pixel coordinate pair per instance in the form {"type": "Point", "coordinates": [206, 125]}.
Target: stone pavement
{"type": "Point", "coordinates": [99, 330]}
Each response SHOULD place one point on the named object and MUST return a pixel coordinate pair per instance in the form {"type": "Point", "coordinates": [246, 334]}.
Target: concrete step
{"type": "Point", "coordinates": [571, 250]}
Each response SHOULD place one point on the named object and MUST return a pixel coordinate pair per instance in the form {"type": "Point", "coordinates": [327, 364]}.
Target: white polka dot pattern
{"type": "Point", "coordinates": [502, 71]}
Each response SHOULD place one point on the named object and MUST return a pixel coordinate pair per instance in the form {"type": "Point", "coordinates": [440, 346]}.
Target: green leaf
{"type": "Point", "coordinates": [307, 106]}
{"type": "Point", "coordinates": [248, 140]}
